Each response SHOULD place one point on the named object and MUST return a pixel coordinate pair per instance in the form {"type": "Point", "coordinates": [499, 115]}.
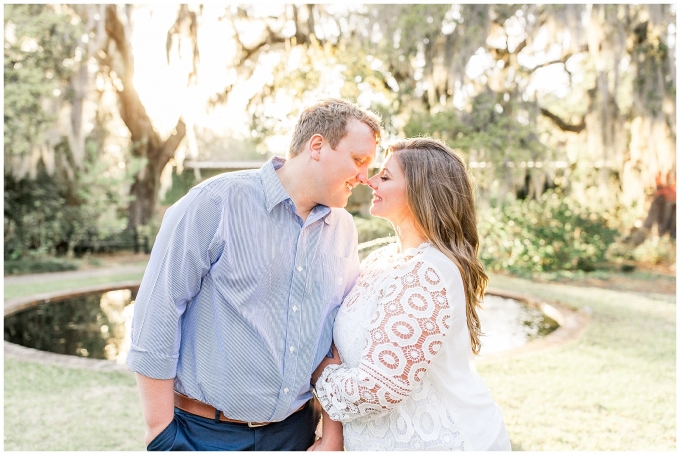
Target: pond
{"type": "Point", "coordinates": [509, 324]}
{"type": "Point", "coordinates": [98, 325]}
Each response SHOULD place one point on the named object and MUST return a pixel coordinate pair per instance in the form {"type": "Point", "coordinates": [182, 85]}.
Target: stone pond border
{"type": "Point", "coordinates": [572, 324]}
{"type": "Point", "coordinates": [16, 351]}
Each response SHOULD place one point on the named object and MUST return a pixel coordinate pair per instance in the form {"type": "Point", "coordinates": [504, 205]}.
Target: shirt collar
{"type": "Point", "coordinates": [321, 212]}
{"type": "Point", "coordinates": [331, 217]}
{"type": "Point", "coordinates": [274, 192]}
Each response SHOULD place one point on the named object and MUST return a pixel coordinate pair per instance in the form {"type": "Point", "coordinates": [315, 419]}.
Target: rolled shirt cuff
{"type": "Point", "coordinates": [151, 364]}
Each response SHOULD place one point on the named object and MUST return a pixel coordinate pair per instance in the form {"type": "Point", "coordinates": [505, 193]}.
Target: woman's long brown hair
{"type": "Point", "coordinates": [439, 192]}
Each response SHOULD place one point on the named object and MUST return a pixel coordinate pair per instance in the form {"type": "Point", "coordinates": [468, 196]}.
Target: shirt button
{"type": "Point", "coordinates": [294, 308]}
{"type": "Point", "coordinates": [285, 390]}
{"type": "Point", "coordinates": [299, 269]}
{"type": "Point", "coordinates": [339, 280]}
{"type": "Point", "coordinates": [292, 349]}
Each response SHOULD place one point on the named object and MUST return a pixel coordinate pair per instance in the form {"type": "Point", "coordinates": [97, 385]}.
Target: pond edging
{"type": "Point", "coordinates": [572, 324]}
{"type": "Point", "coordinates": [19, 352]}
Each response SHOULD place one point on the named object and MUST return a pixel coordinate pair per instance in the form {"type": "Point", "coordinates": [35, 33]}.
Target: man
{"type": "Point", "coordinates": [237, 304]}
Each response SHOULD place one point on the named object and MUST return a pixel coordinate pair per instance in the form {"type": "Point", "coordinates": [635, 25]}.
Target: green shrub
{"type": "Point", "coordinates": [553, 233]}
{"type": "Point", "coordinates": [50, 214]}
{"type": "Point", "coordinates": [656, 250]}
{"type": "Point", "coordinates": [28, 265]}
{"type": "Point", "coordinates": [372, 228]}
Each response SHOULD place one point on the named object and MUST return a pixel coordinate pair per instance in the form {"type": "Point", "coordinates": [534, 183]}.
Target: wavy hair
{"type": "Point", "coordinates": [439, 193]}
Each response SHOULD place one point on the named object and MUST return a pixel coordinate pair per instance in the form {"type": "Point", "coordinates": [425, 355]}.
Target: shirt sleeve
{"type": "Point", "coordinates": [186, 246]}
{"type": "Point", "coordinates": [404, 336]}
{"type": "Point", "coordinates": [352, 271]}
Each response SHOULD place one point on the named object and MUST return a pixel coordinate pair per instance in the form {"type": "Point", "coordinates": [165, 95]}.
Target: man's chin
{"type": "Point", "coordinates": [338, 203]}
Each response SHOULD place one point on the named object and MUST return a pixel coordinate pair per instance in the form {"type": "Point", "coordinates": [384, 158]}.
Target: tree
{"type": "Point", "coordinates": [57, 184]}
{"type": "Point", "coordinates": [40, 53]}
{"type": "Point", "coordinates": [147, 144]}
{"type": "Point", "coordinates": [470, 74]}
{"type": "Point", "coordinates": [615, 51]}
{"type": "Point", "coordinates": [32, 109]}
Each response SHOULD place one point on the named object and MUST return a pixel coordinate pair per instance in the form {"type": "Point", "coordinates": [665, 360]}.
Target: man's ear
{"type": "Point", "coordinates": [315, 144]}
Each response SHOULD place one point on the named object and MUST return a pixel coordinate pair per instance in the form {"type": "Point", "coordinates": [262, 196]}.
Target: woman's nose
{"type": "Point", "coordinates": [372, 182]}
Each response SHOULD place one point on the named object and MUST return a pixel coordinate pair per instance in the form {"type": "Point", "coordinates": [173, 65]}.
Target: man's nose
{"type": "Point", "coordinates": [362, 176]}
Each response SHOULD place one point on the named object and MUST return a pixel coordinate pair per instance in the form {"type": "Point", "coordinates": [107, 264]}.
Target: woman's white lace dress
{"type": "Point", "coordinates": [408, 380]}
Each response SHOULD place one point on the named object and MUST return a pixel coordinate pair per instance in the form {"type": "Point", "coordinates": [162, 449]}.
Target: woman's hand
{"type": "Point", "coordinates": [331, 439]}
{"type": "Point", "coordinates": [324, 363]}
{"type": "Point", "coordinates": [326, 445]}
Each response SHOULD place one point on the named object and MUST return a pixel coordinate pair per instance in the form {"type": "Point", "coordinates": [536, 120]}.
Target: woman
{"type": "Point", "coordinates": [408, 331]}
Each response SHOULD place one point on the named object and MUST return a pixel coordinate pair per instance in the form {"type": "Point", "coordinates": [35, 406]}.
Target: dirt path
{"type": "Point", "coordinates": [645, 279]}
{"type": "Point", "coordinates": [40, 277]}
{"type": "Point", "coordinates": [94, 266]}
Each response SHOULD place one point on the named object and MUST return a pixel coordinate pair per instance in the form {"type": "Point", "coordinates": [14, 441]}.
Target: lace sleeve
{"type": "Point", "coordinates": [406, 332]}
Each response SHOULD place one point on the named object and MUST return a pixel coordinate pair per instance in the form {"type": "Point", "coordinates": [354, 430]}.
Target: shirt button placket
{"type": "Point", "coordinates": [297, 293]}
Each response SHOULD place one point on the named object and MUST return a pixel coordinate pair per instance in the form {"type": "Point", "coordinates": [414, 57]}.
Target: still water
{"type": "Point", "coordinates": [98, 325]}
{"type": "Point", "coordinates": [509, 324]}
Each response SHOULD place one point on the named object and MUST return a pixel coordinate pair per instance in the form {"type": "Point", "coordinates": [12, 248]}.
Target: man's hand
{"type": "Point", "coordinates": [158, 404]}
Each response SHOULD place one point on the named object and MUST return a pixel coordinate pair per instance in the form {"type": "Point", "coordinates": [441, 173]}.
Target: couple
{"type": "Point", "coordinates": [254, 274]}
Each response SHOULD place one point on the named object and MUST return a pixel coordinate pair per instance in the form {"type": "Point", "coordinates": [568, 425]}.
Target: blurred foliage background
{"type": "Point", "coordinates": [566, 114]}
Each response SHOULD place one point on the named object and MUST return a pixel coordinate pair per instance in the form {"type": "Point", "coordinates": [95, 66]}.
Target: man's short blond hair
{"type": "Point", "coordinates": [329, 118]}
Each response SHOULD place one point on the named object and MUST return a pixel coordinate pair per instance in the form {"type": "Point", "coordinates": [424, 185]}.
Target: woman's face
{"type": "Point", "coordinates": [389, 192]}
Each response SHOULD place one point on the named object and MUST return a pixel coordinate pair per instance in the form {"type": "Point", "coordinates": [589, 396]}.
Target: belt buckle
{"type": "Point", "coordinates": [256, 425]}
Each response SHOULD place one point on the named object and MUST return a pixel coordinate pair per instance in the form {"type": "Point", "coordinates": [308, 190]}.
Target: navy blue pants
{"type": "Point", "coordinates": [190, 432]}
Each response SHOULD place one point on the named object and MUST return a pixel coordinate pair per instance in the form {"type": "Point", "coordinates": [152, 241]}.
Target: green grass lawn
{"type": "Point", "coordinates": [612, 389]}
{"type": "Point", "coordinates": [49, 285]}
{"type": "Point", "coordinates": [53, 408]}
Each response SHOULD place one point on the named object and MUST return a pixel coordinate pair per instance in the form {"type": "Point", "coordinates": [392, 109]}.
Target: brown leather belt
{"type": "Point", "coordinates": [201, 409]}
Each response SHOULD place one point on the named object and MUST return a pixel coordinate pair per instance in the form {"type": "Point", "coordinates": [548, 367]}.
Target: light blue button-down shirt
{"type": "Point", "coordinates": [239, 297]}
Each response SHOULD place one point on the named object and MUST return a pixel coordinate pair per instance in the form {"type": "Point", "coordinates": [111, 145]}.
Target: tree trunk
{"type": "Point", "coordinates": [661, 214]}
{"type": "Point", "coordinates": [147, 181]}
{"type": "Point", "coordinates": [146, 142]}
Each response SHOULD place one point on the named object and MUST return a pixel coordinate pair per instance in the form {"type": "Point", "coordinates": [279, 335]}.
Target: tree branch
{"type": "Point", "coordinates": [562, 59]}
{"type": "Point", "coordinates": [132, 111]}
{"type": "Point", "coordinates": [520, 47]}
{"type": "Point", "coordinates": [115, 30]}
{"type": "Point", "coordinates": [185, 26]}
{"type": "Point", "coordinates": [172, 142]}
{"type": "Point", "coordinates": [561, 124]}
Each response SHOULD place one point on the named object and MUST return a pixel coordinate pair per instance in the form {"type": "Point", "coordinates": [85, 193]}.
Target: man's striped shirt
{"type": "Point", "coordinates": [239, 297]}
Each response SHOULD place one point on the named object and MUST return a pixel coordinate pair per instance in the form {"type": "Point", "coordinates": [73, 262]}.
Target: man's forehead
{"type": "Point", "coordinates": [366, 154]}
